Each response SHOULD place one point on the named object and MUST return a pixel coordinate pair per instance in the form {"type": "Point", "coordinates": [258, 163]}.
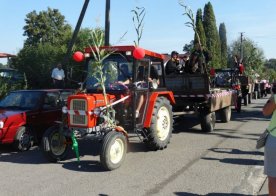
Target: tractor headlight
{"type": "Point", "coordinates": [97, 111]}
{"type": "Point", "coordinates": [1, 124]}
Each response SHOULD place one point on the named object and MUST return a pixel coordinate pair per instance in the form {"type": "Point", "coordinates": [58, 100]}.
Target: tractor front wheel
{"type": "Point", "coordinates": [114, 150]}
{"type": "Point", "coordinates": [160, 130]}
{"type": "Point", "coordinates": [54, 145]}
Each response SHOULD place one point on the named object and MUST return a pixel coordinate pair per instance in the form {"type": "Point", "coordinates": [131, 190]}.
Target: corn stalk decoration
{"type": "Point", "coordinates": [100, 55]}
{"type": "Point", "coordinates": [138, 21]}
{"type": "Point", "coordinates": [189, 13]}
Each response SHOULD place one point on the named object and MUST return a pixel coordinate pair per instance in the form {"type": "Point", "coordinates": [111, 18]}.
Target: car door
{"type": "Point", "coordinates": [48, 113]}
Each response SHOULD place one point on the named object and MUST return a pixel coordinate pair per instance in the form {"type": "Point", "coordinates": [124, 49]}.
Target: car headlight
{"type": "Point", "coordinates": [1, 124]}
{"type": "Point", "coordinates": [64, 110]}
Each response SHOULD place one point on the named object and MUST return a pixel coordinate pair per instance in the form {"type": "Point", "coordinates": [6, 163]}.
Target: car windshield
{"type": "Point", "coordinates": [115, 69]}
{"type": "Point", "coordinates": [21, 100]}
{"type": "Point", "coordinates": [10, 73]}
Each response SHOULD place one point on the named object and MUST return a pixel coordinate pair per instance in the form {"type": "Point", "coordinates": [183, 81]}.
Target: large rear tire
{"type": "Point", "coordinates": [208, 121]}
{"type": "Point", "coordinates": [114, 150]}
{"type": "Point", "coordinates": [23, 139]}
{"type": "Point", "coordinates": [160, 130]}
{"type": "Point", "coordinates": [225, 114]}
{"type": "Point", "coordinates": [54, 145]}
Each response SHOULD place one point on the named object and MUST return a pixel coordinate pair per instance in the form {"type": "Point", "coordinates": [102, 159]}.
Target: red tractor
{"type": "Point", "coordinates": [142, 105]}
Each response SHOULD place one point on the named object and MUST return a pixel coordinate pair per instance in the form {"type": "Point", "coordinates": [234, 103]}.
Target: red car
{"type": "Point", "coordinates": [26, 114]}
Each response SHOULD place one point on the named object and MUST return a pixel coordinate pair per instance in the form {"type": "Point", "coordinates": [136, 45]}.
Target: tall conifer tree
{"type": "Point", "coordinates": [200, 29]}
{"type": "Point", "coordinates": [212, 36]}
{"type": "Point", "coordinates": [223, 44]}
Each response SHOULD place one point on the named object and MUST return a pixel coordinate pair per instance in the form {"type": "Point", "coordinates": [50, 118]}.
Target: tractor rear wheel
{"type": "Point", "coordinates": [225, 114]}
{"type": "Point", "coordinates": [114, 150]}
{"type": "Point", "coordinates": [160, 130]}
{"type": "Point", "coordinates": [54, 145]}
{"type": "Point", "coordinates": [207, 121]}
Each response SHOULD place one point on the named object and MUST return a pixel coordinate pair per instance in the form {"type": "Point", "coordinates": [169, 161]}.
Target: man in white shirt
{"type": "Point", "coordinates": [58, 76]}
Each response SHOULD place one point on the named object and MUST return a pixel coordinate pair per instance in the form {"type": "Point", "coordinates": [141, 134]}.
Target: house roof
{"type": "Point", "coordinates": [6, 55]}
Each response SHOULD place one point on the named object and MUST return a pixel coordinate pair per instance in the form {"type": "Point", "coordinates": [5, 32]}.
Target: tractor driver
{"type": "Point", "coordinates": [142, 76]}
{"type": "Point", "coordinates": [124, 76]}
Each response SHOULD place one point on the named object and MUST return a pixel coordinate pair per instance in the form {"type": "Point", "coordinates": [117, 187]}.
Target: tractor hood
{"type": "Point", "coordinates": [88, 102]}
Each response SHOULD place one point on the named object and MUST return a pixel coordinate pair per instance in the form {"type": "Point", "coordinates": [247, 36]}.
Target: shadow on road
{"type": "Point", "coordinates": [235, 151]}
{"type": "Point", "coordinates": [236, 161]}
{"type": "Point", "coordinates": [84, 166]}
{"type": "Point", "coordinates": [213, 194]}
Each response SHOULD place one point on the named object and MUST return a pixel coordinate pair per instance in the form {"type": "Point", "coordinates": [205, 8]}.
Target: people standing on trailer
{"type": "Point", "coordinates": [174, 65]}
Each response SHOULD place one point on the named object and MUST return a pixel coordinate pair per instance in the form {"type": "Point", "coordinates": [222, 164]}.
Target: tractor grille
{"type": "Point", "coordinates": [78, 105]}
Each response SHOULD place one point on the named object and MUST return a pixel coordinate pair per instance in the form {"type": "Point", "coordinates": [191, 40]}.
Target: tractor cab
{"type": "Point", "coordinates": [127, 76]}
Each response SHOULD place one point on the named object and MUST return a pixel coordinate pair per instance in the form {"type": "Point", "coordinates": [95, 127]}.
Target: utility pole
{"type": "Point", "coordinates": [107, 23]}
{"type": "Point", "coordinates": [74, 36]}
{"type": "Point", "coordinates": [241, 48]}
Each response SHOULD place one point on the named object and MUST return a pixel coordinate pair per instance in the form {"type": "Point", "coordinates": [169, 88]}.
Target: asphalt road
{"type": "Point", "coordinates": [224, 162]}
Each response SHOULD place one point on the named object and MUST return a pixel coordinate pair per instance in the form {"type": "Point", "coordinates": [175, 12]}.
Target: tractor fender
{"type": "Point", "coordinates": [151, 102]}
{"type": "Point", "coordinates": [121, 130]}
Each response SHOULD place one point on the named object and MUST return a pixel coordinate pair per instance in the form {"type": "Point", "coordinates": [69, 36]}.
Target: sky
{"type": "Point", "coordinates": [164, 23]}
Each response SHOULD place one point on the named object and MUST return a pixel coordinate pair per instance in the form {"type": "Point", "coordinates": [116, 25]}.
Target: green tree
{"type": "Point", "coordinates": [37, 63]}
{"type": "Point", "coordinates": [200, 29]}
{"type": "Point", "coordinates": [84, 38]}
{"type": "Point", "coordinates": [212, 36]}
{"type": "Point", "coordinates": [223, 44]}
{"type": "Point", "coordinates": [253, 56]}
{"type": "Point", "coordinates": [270, 63]}
{"type": "Point", "coordinates": [188, 47]}
{"type": "Point", "coordinates": [46, 27]}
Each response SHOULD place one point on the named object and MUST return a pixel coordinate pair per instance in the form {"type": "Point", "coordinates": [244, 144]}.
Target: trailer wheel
{"type": "Point", "coordinates": [238, 104]}
{"type": "Point", "coordinates": [225, 114]}
{"type": "Point", "coordinates": [23, 140]}
{"type": "Point", "coordinates": [54, 145]}
{"type": "Point", "coordinates": [207, 121]}
{"type": "Point", "coordinates": [160, 130]}
{"type": "Point", "coordinates": [114, 150]}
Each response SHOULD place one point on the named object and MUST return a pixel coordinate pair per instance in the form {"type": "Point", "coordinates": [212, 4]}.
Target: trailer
{"type": "Point", "coordinates": [247, 88]}
{"type": "Point", "coordinates": [194, 93]}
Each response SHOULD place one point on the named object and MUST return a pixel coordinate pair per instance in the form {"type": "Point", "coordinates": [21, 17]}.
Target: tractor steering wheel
{"type": "Point", "coordinates": [118, 86]}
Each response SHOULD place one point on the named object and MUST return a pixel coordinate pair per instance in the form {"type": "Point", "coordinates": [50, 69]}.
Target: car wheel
{"type": "Point", "coordinates": [23, 139]}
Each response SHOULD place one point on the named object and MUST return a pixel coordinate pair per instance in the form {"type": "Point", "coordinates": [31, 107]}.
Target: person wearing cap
{"type": "Point", "coordinates": [58, 76]}
{"type": "Point", "coordinates": [173, 65]}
